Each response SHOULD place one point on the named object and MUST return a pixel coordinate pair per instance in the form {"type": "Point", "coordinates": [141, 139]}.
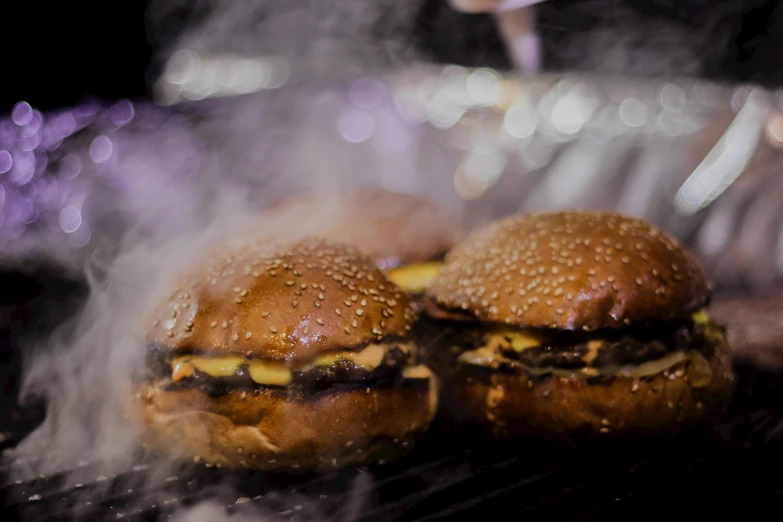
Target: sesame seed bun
{"type": "Point", "coordinates": [288, 303]}
{"type": "Point", "coordinates": [571, 271]}
{"type": "Point", "coordinates": [567, 280]}
{"type": "Point", "coordinates": [392, 228]}
{"type": "Point", "coordinates": [570, 410]}
{"type": "Point", "coordinates": [332, 429]}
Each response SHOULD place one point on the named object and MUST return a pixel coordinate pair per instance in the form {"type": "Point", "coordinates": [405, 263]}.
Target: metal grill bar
{"type": "Point", "coordinates": [441, 479]}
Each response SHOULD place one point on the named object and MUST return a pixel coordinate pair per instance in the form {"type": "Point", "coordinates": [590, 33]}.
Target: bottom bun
{"type": "Point", "coordinates": [331, 429]}
{"type": "Point", "coordinates": [567, 410]}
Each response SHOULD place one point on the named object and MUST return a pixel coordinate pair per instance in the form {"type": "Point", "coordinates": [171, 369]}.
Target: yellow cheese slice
{"type": "Point", "coordinates": [415, 278]}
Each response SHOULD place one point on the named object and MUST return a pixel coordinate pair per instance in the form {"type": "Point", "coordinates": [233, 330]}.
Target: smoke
{"type": "Point", "coordinates": [84, 369]}
{"type": "Point", "coordinates": [188, 187]}
{"type": "Point", "coordinates": [326, 39]}
{"type": "Point", "coordinates": [661, 39]}
{"type": "Point", "coordinates": [185, 186]}
{"type": "Point", "coordinates": [293, 506]}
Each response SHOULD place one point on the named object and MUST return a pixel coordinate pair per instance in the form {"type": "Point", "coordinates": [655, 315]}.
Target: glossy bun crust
{"type": "Point", "coordinates": [285, 303]}
{"type": "Point", "coordinates": [571, 271]}
{"type": "Point", "coordinates": [569, 410]}
{"type": "Point", "coordinates": [390, 227]}
{"type": "Point", "coordinates": [332, 429]}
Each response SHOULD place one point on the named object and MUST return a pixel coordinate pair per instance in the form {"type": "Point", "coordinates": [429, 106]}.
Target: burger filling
{"type": "Point", "coordinates": [630, 352]}
{"type": "Point", "coordinates": [415, 278]}
{"type": "Point", "coordinates": [374, 365]}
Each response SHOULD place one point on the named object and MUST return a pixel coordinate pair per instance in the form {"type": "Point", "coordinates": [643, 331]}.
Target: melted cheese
{"type": "Point", "coordinates": [490, 354]}
{"type": "Point", "coordinates": [415, 278]}
{"type": "Point", "coordinates": [369, 358]}
{"type": "Point", "coordinates": [275, 373]}
{"type": "Point", "coordinates": [264, 372]}
{"type": "Point", "coordinates": [711, 330]}
{"type": "Point", "coordinates": [484, 356]}
{"type": "Point", "coordinates": [417, 372]}
{"type": "Point", "coordinates": [422, 372]}
{"type": "Point", "coordinates": [593, 347]}
{"type": "Point", "coordinates": [700, 317]}
{"type": "Point", "coordinates": [517, 340]}
{"type": "Point", "coordinates": [521, 340]}
{"type": "Point", "coordinates": [700, 373]}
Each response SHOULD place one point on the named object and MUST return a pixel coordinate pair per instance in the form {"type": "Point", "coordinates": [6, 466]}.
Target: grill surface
{"type": "Point", "coordinates": [732, 470]}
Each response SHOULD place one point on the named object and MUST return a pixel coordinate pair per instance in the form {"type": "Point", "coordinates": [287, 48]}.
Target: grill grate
{"type": "Point", "coordinates": [733, 470]}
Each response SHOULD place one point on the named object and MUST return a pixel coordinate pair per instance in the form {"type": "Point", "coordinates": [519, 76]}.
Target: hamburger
{"type": "Point", "coordinates": [290, 357]}
{"type": "Point", "coordinates": [405, 235]}
{"type": "Point", "coordinates": [577, 325]}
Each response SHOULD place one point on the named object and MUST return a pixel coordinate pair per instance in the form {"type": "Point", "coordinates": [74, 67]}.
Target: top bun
{"type": "Point", "coordinates": [571, 271]}
{"type": "Point", "coordinates": [390, 227]}
{"type": "Point", "coordinates": [285, 303]}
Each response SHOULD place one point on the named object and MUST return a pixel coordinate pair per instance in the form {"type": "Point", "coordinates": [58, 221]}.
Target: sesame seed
{"type": "Point", "coordinates": [273, 329]}
{"type": "Point", "coordinates": [265, 314]}
{"type": "Point", "coordinates": [248, 335]}
{"type": "Point", "coordinates": [320, 321]}
{"type": "Point", "coordinates": [243, 293]}
{"type": "Point", "coordinates": [359, 311]}
{"type": "Point", "coordinates": [237, 289]}
{"type": "Point", "coordinates": [224, 325]}
{"type": "Point", "coordinates": [337, 311]}
{"type": "Point", "coordinates": [213, 324]}
{"type": "Point", "coordinates": [355, 323]}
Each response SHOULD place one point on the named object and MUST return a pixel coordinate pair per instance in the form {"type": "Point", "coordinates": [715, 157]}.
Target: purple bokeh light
{"type": "Point", "coordinates": [122, 112]}
{"type": "Point", "coordinates": [6, 161]}
{"type": "Point", "coordinates": [22, 113]}
{"type": "Point", "coordinates": [23, 168]}
{"type": "Point", "coordinates": [70, 166]}
{"type": "Point", "coordinates": [70, 219]}
{"type": "Point", "coordinates": [101, 149]}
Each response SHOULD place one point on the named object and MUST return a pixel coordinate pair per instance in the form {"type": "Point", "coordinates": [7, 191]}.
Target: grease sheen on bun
{"type": "Point", "coordinates": [568, 409]}
{"type": "Point", "coordinates": [212, 390]}
{"type": "Point", "coordinates": [553, 317]}
{"type": "Point", "coordinates": [268, 431]}
{"type": "Point", "coordinates": [285, 303]}
{"type": "Point", "coordinates": [571, 271]}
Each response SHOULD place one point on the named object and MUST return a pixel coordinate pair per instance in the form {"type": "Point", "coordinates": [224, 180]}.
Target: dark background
{"type": "Point", "coordinates": [56, 53]}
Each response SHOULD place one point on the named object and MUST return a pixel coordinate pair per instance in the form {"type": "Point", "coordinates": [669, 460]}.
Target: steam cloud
{"type": "Point", "coordinates": [83, 369]}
